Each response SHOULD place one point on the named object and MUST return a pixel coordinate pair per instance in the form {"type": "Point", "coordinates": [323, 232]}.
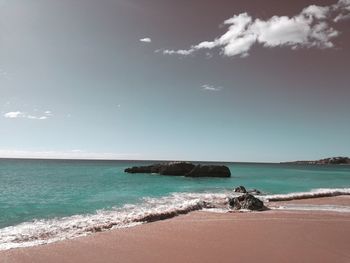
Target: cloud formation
{"type": "Point", "coordinates": [207, 87]}
{"type": "Point", "coordinates": [13, 114]}
{"type": "Point", "coordinates": [146, 40]}
{"type": "Point", "coordinates": [310, 28]}
{"type": "Point", "coordinates": [20, 114]}
{"type": "Point", "coordinates": [344, 10]}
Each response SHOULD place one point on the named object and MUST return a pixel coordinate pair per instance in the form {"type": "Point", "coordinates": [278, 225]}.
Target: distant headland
{"type": "Point", "coordinates": [331, 160]}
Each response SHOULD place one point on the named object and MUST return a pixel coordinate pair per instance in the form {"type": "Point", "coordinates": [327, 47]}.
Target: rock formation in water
{"type": "Point", "coordinates": [246, 201]}
{"type": "Point", "coordinates": [183, 169]}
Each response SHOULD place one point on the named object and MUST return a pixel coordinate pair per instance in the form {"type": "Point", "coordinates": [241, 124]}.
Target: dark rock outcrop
{"type": "Point", "coordinates": [183, 169]}
{"type": "Point", "coordinates": [240, 189]}
{"type": "Point", "coordinates": [246, 201]}
{"type": "Point", "coordinates": [143, 169]}
{"type": "Point", "coordinates": [209, 171]}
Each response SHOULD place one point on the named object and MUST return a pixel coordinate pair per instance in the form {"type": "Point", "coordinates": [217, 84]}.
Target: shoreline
{"type": "Point", "coordinates": [200, 236]}
{"type": "Point", "coordinates": [40, 232]}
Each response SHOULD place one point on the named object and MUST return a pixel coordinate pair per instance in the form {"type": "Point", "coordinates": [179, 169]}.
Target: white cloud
{"type": "Point", "coordinates": [310, 28]}
{"type": "Point", "coordinates": [36, 117]}
{"type": "Point", "coordinates": [342, 6]}
{"type": "Point", "coordinates": [14, 114]}
{"type": "Point", "coordinates": [207, 87]}
{"type": "Point", "coordinates": [343, 10]}
{"type": "Point", "coordinates": [146, 40]}
{"type": "Point", "coordinates": [341, 17]}
{"type": "Point", "coordinates": [19, 114]}
{"type": "Point", "coordinates": [178, 52]}
{"type": "Point", "coordinates": [319, 12]}
{"type": "Point", "coordinates": [282, 30]}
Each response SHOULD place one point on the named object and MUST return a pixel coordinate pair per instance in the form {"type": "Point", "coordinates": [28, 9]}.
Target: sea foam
{"type": "Point", "coordinates": [322, 192]}
{"type": "Point", "coordinates": [150, 209]}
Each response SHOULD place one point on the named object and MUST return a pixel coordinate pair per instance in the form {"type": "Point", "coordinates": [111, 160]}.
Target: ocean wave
{"type": "Point", "coordinates": [322, 192]}
{"type": "Point", "coordinates": [150, 209]}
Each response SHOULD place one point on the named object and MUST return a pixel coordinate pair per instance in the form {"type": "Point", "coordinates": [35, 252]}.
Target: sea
{"type": "Point", "coordinates": [44, 201]}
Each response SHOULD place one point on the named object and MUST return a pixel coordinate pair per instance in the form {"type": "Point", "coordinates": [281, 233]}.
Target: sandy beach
{"type": "Point", "coordinates": [270, 236]}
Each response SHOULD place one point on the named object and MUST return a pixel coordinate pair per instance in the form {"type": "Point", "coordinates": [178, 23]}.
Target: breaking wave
{"type": "Point", "coordinates": [150, 209]}
{"type": "Point", "coordinates": [322, 192]}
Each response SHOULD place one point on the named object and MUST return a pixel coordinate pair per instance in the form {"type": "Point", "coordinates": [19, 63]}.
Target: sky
{"type": "Point", "coordinates": [256, 81]}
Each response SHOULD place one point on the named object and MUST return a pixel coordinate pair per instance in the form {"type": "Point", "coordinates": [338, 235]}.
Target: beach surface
{"type": "Point", "coordinates": [269, 236]}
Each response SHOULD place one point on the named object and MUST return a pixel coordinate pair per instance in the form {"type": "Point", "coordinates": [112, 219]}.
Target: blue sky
{"type": "Point", "coordinates": [157, 80]}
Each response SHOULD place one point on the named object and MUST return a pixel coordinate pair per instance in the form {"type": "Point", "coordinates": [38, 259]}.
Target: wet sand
{"type": "Point", "coordinates": [270, 236]}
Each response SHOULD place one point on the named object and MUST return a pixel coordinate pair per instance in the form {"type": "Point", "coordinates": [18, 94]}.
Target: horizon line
{"type": "Point", "coordinates": [135, 160]}
{"type": "Point", "coordinates": [153, 160]}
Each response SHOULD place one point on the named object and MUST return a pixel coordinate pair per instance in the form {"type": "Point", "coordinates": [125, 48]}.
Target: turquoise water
{"type": "Point", "coordinates": [44, 189]}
